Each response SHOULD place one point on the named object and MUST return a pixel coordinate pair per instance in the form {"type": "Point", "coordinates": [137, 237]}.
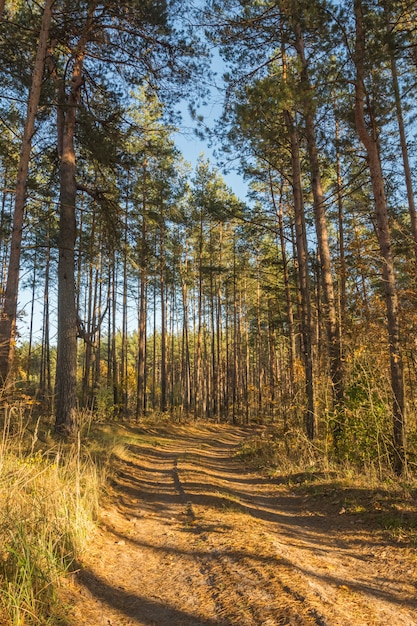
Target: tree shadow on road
{"type": "Point", "coordinates": [143, 610]}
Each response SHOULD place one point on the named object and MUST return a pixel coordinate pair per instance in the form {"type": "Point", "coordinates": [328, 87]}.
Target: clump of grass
{"type": "Point", "coordinates": [289, 452]}
{"type": "Point", "coordinates": [50, 499]}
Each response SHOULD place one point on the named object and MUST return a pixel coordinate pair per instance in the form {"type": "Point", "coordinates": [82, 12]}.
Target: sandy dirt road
{"type": "Point", "coordinates": [190, 537]}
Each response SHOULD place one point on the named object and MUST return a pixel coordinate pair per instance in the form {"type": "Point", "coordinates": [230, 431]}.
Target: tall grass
{"type": "Point", "coordinates": [49, 499]}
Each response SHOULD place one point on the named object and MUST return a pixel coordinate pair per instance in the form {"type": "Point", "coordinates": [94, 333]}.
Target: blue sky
{"type": "Point", "coordinates": [192, 146]}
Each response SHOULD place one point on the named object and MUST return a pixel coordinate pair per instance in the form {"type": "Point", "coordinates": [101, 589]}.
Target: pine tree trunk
{"type": "Point", "coordinates": [163, 402]}
{"type": "Point", "coordinates": [199, 347]}
{"type": "Point", "coordinates": [32, 310]}
{"type": "Point", "coordinates": [227, 333]}
{"type": "Point", "coordinates": [303, 274]}
{"type": "Point", "coordinates": [174, 370]}
{"type": "Point", "coordinates": [141, 383]}
{"type": "Point", "coordinates": [115, 381]}
{"type": "Point", "coordinates": [9, 311]}
{"type": "Point", "coordinates": [331, 317]}
{"type": "Point", "coordinates": [403, 143]}
{"type": "Point", "coordinates": [214, 370]}
{"type": "Point", "coordinates": [45, 390]}
{"type": "Point", "coordinates": [260, 370]}
{"type": "Point", "coordinates": [342, 255]}
{"type": "Point", "coordinates": [290, 315]}
{"type": "Point", "coordinates": [219, 334]}
{"type": "Point", "coordinates": [123, 355]}
{"type": "Point", "coordinates": [271, 366]}
{"type": "Point", "coordinates": [154, 346]}
{"type": "Point", "coordinates": [163, 399]}
{"type": "Point", "coordinates": [4, 243]}
{"type": "Point", "coordinates": [370, 142]}
{"type": "Point", "coordinates": [235, 367]}
{"type": "Point", "coordinates": [186, 361]}
{"type": "Point", "coordinates": [90, 323]}
{"type": "Point", "coordinates": [66, 366]}
{"type": "Point", "coordinates": [97, 319]}
{"type": "Point", "coordinates": [246, 375]}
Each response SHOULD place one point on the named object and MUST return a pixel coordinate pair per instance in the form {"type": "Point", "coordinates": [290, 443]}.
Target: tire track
{"type": "Point", "coordinates": [247, 593]}
{"type": "Point", "coordinates": [257, 585]}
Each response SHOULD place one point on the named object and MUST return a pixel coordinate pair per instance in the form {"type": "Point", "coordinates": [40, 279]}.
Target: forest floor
{"type": "Point", "coordinates": [189, 536]}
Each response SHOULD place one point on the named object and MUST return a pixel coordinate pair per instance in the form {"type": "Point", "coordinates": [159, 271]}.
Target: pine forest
{"type": "Point", "coordinates": [158, 289]}
{"type": "Point", "coordinates": [270, 282]}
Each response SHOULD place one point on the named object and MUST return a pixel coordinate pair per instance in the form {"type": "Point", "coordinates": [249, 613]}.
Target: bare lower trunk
{"type": "Point", "coordinates": [66, 366]}
{"type": "Point", "coordinates": [163, 402]}
{"type": "Point", "coordinates": [141, 387]}
{"type": "Point", "coordinates": [198, 358]}
{"type": "Point", "coordinates": [186, 360]}
{"type": "Point", "coordinates": [290, 315]}
{"type": "Point", "coordinates": [45, 391]}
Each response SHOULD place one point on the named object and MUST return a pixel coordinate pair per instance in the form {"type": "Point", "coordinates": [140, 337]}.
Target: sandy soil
{"type": "Point", "coordinates": [190, 537]}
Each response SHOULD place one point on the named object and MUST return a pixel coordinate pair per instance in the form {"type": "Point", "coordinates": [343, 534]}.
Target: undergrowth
{"type": "Point", "coordinates": [49, 493]}
{"type": "Point", "coordinates": [272, 450]}
{"type": "Point", "coordinates": [370, 490]}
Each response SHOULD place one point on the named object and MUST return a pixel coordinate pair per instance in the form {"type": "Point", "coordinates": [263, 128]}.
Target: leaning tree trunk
{"type": "Point", "coordinates": [369, 138]}
{"type": "Point", "coordinates": [9, 312]}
